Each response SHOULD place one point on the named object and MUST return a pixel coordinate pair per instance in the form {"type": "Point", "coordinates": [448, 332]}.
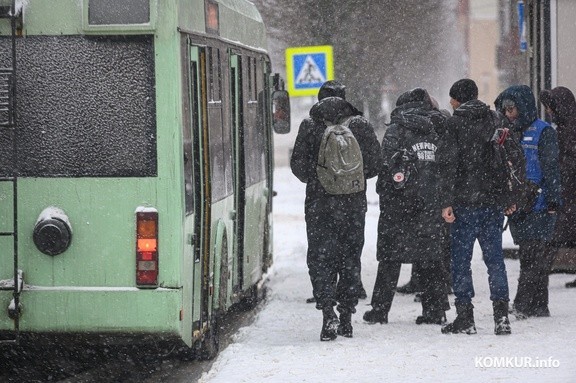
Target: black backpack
{"type": "Point", "coordinates": [508, 171]}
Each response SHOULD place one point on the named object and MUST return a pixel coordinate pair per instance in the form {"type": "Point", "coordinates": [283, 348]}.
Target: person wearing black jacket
{"type": "Point", "coordinates": [334, 222]}
{"type": "Point", "coordinates": [560, 105]}
{"type": "Point", "coordinates": [410, 227]}
{"type": "Point", "coordinates": [472, 204]}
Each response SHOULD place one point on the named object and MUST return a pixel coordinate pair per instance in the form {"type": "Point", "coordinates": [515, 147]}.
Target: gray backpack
{"type": "Point", "coordinates": [340, 166]}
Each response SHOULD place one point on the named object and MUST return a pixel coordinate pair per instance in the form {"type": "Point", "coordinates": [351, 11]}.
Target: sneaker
{"type": "Point", "coordinates": [502, 326]}
{"type": "Point", "coordinates": [375, 316]}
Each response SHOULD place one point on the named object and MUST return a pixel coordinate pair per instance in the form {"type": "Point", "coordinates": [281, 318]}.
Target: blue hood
{"type": "Point", "coordinates": [525, 102]}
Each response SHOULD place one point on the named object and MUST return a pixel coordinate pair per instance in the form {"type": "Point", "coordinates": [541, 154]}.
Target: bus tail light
{"type": "Point", "coordinates": [147, 247]}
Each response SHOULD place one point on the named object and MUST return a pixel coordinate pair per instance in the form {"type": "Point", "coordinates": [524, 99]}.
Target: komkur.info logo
{"type": "Point", "coordinates": [515, 362]}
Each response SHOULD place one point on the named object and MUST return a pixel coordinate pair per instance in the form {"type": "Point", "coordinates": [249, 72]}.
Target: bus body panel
{"type": "Point", "coordinates": [99, 310]}
{"type": "Point", "coordinates": [107, 118]}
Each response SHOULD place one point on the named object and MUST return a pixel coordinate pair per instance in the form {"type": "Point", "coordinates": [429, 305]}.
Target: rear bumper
{"type": "Point", "coordinates": [93, 310]}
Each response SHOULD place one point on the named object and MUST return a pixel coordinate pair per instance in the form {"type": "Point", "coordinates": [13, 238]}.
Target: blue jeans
{"type": "Point", "coordinates": [484, 224]}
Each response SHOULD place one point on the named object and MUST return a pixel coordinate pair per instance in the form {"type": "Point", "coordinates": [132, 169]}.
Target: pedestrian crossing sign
{"type": "Point", "coordinates": [307, 68]}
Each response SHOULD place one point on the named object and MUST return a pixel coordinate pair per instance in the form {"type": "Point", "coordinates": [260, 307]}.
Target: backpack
{"type": "Point", "coordinates": [508, 171]}
{"type": "Point", "coordinates": [340, 167]}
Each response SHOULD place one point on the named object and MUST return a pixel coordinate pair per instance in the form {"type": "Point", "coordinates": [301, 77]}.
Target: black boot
{"type": "Point", "coordinates": [345, 326]}
{"type": "Point", "coordinates": [431, 317]}
{"type": "Point", "coordinates": [329, 324]}
{"type": "Point", "coordinates": [464, 322]}
{"type": "Point", "coordinates": [501, 322]}
{"type": "Point", "coordinates": [375, 316]}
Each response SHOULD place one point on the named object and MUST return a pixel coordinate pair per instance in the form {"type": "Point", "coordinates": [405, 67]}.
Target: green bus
{"type": "Point", "coordinates": [135, 167]}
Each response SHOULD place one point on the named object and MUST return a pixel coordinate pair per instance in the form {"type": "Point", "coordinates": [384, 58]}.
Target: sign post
{"type": "Point", "coordinates": [307, 68]}
{"type": "Point", "coordinates": [522, 26]}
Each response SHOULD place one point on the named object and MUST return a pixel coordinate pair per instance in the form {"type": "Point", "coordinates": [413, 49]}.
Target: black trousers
{"type": "Point", "coordinates": [432, 279]}
{"type": "Point", "coordinates": [536, 258]}
{"type": "Point", "coordinates": [335, 242]}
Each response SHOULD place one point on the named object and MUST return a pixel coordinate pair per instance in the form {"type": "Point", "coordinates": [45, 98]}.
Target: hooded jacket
{"type": "Point", "coordinates": [410, 224]}
{"type": "Point", "coordinates": [563, 105]}
{"type": "Point", "coordinates": [536, 225]}
{"type": "Point", "coordinates": [463, 152]}
{"type": "Point", "coordinates": [307, 145]}
{"type": "Point", "coordinates": [523, 98]}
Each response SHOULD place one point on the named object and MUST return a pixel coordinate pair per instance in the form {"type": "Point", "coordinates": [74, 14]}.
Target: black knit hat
{"type": "Point", "coordinates": [464, 90]}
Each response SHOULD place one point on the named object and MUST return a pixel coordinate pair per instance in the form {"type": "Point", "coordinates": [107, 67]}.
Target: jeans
{"type": "Point", "coordinates": [485, 225]}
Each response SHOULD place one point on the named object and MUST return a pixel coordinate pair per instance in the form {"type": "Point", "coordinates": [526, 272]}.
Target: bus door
{"type": "Point", "coordinates": [265, 104]}
{"type": "Point", "coordinates": [255, 145]}
{"type": "Point", "coordinates": [239, 172]}
{"type": "Point", "coordinates": [197, 188]}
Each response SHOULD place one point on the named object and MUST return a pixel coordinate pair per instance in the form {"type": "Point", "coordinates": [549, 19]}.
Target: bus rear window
{"type": "Point", "coordinates": [85, 107]}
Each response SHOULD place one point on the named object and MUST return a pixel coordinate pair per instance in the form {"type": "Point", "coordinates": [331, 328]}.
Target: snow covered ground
{"type": "Point", "coordinates": [282, 345]}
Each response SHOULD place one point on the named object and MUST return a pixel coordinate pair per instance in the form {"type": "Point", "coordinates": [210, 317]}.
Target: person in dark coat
{"type": "Point", "coordinates": [439, 117]}
{"type": "Point", "coordinates": [560, 106]}
{"type": "Point", "coordinates": [472, 204]}
{"type": "Point", "coordinates": [410, 227]}
{"type": "Point", "coordinates": [533, 231]}
{"type": "Point", "coordinates": [334, 222]}
{"type": "Point", "coordinates": [331, 89]}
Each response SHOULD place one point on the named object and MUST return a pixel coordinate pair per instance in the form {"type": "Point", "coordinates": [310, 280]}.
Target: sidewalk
{"type": "Point", "coordinates": [282, 345]}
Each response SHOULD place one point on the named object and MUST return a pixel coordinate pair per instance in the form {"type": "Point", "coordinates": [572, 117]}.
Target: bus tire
{"type": "Point", "coordinates": [252, 297]}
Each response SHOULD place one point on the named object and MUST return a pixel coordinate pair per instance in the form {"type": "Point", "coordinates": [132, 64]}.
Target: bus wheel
{"type": "Point", "coordinates": [253, 296]}
{"type": "Point", "coordinates": [210, 344]}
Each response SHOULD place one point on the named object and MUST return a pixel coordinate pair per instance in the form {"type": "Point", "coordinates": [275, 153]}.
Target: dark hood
{"type": "Point", "coordinates": [414, 95]}
{"type": "Point", "coordinates": [562, 102]}
{"type": "Point", "coordinates": [414, 116]}
{"type": "Point", "coordinates": [524, 99]}
{"type": "Point", "coordinates": [472, 110]}
{"type": "Point", "coordinates": [333, 109]}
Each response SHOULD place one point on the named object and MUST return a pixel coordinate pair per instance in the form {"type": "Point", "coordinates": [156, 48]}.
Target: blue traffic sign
{"type": "Point", "coordinates": [307, 68]}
